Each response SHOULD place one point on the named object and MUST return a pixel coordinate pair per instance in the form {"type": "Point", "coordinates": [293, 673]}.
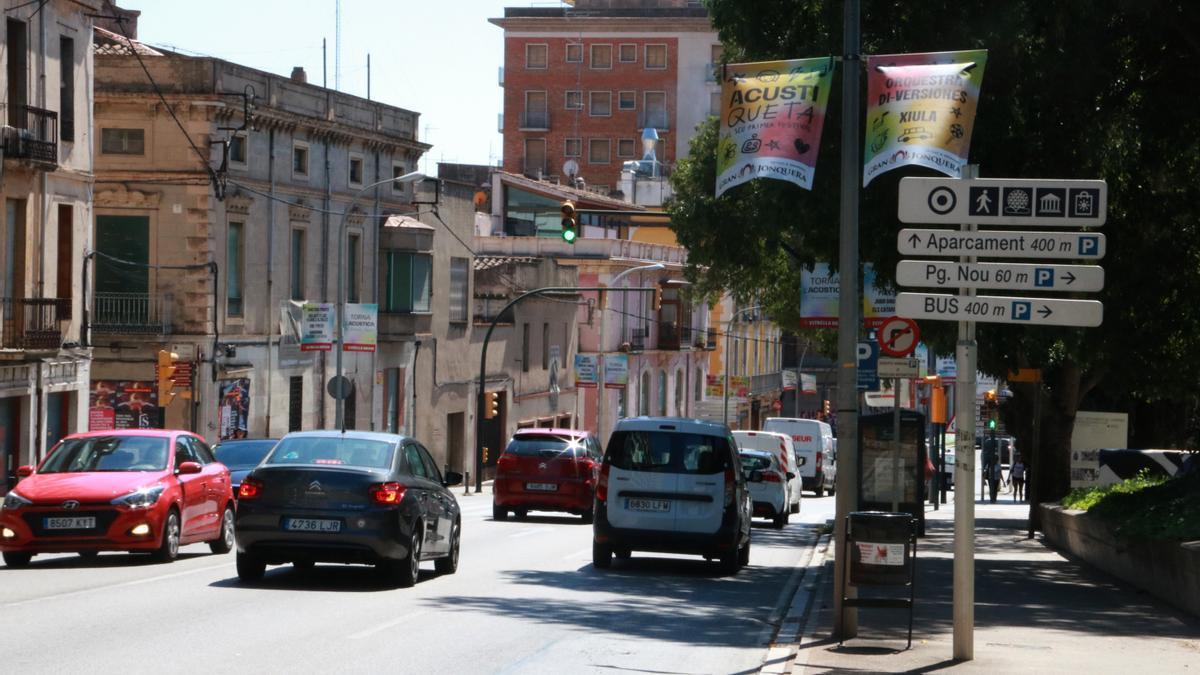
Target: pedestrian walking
{"type": "Point", "coordinates": [994, 477]}
{"type": "Point", "coordinates": [1018, 480]}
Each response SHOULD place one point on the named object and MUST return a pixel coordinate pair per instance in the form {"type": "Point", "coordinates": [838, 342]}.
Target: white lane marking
{"type": "Point", "coordinates": [526, 533]}
{"type": "Point", "coordinates": [384, 626]}
{"type": "Point", "coordinates": [126, 584]}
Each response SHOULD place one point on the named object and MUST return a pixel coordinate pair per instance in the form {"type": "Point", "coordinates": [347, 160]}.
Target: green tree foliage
{"type": "Point", "coordinates": [1073, 89]}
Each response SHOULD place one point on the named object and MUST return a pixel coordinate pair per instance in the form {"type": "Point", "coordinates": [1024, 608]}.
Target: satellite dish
{"type": "Point", "coordinates": [570, 167]}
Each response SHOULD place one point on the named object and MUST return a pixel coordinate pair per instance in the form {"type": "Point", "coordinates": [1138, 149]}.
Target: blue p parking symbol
{"type": "Point", "coordinates": [1089, 245]}
{"type": "Point", "coordinates": [1020, 311]}
{"type": "Point", "coordinates": [1043, 276]}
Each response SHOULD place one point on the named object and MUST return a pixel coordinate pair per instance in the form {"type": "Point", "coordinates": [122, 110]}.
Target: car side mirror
{"type": "Point", "coordinates": [187, 468]}
{"type": "Point", "coordinates": [790, 475]}
{"type": "Point", "coordinates": [25, 471]}
{"type": "Point", "coordinates": [755, 476]}
{"type": "Point", "coordinates": [452, 478]}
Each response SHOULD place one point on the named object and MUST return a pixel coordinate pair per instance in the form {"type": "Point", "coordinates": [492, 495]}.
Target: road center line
{"type": "Point", "coordinates": [126, 584]}
{"type": "Point", "coordinates": [384, 626]}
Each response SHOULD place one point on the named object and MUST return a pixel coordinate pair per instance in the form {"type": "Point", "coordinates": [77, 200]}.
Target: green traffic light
{"type": "Point", "coordinates": [569, 236]}
{"type": "Point", "coordinates": [991, 424]}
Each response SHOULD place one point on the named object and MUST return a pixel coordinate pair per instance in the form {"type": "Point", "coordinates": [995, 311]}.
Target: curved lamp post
{"type": "Point", "coordinates": [412, 177]}
{"type": "Point", "coordinates": [600, 365]}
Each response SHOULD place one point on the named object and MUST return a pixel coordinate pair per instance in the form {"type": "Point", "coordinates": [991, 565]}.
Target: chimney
{"type": "Point", "coordinates": [298, 75]}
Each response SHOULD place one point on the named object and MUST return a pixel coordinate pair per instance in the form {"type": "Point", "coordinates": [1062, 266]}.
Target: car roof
{"type": "Point", "coordinates": [227, 441]}
{"type": "Point", "coordinates": [552, 431]}
{"type": "Point", "coordinates": [366, 435]}
{"type": "Point", "coordinates": [154, 433]}
{"type": "Point", "coordinates": [680, 424]}
{"type": "Point", "coordinates": [741, 433]}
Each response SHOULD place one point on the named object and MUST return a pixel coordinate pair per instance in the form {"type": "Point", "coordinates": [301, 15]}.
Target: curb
{"type": "Point", "coordinates": [783, 652]}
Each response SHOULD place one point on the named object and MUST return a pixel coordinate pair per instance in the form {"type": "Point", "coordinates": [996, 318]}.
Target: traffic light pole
{"type": "Point", "coordinates": [481, 390]}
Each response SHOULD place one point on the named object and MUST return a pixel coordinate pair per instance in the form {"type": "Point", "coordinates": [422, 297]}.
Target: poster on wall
{"type": "Point", "coordinates": [360, 327]}
{"type": "Point", "coordinates": [616, 371]}
{"type": "Point", "coordinates": [316, 330]}
{"type": "Point", "coordinates": [123, 404]}
{"type": "Point", "coordinates": [714, 385]}
{"type": "Point", "coordinates": [585, 371]}
{"type": "Point", "coordinates": [233, 413]}
{"type": "Point", "coordinates": [819, 300]}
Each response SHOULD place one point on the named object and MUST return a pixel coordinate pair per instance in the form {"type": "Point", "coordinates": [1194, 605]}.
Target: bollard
{"type": "Point", "coordinates": [467, 483]}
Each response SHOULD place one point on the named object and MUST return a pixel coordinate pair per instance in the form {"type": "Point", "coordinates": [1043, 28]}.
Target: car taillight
{"type": "Point", "coordinates": [506, 463]}
{"type": "Point", "coordinates": [730, 482]}
{"type": "Point", "coordinates": [818, 460]}
{"type": "Point", "coordinates": [387, 494]}
{"type": "Point", "coordinates": [250, 488]}
{"type": "Point", "coordinates": [771, 477]}
{"type": "Point", "coordinates": [602, 483]}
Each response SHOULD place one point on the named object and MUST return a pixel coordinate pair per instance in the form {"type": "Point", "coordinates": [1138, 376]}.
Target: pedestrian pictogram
{"type": "Point", "coordinates": [1003, 201]}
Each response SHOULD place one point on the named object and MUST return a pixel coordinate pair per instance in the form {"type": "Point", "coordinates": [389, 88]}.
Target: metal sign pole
{"type": "Point", "coordinates": [964, 483]}
{"type": "Point", "coordinates": [896, 445]}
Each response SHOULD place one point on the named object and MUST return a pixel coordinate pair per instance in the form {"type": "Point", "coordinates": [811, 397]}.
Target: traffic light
{"type": "Point", "coordinates": [656, 301]}
{"type": "Point", "coordinates": [569, 224]}
{"type": "Point", "coordinates": [991, 423]}
{"type": "Point", "coordinates": [491, 405]}
{"type": "Point", "coordinates": [485, 454]}
{"type": "Point", "coordinates": [166, 369]}
{"type": "Point", "coordinates": [989, 398]}
{"type": "Point", "coordinates": [825, 408]}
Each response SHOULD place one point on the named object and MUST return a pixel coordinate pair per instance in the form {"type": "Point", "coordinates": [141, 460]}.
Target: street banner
{"type": "Point", "coordinates": [808, 383]}
{"type": "Point", "coordinates": [585, 370]}
{"type": "Point", "coordinates": [233, 412]}
{"type": "Point", "coordinates": [771, 118]}
{"type": "Point", "coordinates": [616, 371]}
{"type": "Point", "coordinates": [316, 328]}
{"type": "Point", "coordinates": [360, 327]}
{"type": "Point", "coordinates": [739, 385]}
{"type": "Point", "coordinates": [819, 298]}
{"type": "Point", "coordinates": [714, 386]}
{"type": "Point", "coordinates": [789, 380]}
{"type": "Point", "coordinates": [921, 110]}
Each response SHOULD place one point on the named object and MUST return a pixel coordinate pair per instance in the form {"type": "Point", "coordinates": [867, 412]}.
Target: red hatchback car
{"type": "Point", "coordinates": [132, 490]}
{"type": "Point", "coordinates": [547, 470]}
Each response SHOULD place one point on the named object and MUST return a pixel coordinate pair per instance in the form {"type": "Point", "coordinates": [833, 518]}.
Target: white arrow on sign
{"type": "Point", "coordinates": [1004, 201]}
{"type": "Point", "coordinates": [1015, 276]}
{"type": "Point", "coordinates": [995, 309]}
{"type": "Point", "coordinates": [1066, 245]}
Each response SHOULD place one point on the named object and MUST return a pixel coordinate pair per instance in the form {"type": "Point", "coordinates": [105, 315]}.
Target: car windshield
{"type": "Point", "coordinates": [668, 452]}
{"type": "Point", "coordinates": [754, 463]}
{"type": "Point", "coordinates": [241, 455]}
{"type": "Point", "coordinates": [333, 450]}
{"type": "Point", "coordinates": [543, 445]}
{"type": "Point", "coordinates": [108, 453]}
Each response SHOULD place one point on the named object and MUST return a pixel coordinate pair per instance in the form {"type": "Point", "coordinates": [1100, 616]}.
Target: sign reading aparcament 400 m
{"type": "Point", "coordinates": [1079, 245]}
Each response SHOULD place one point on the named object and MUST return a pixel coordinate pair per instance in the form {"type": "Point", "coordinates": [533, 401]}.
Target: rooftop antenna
{"type": "Point", "coordinates": [337, 46]}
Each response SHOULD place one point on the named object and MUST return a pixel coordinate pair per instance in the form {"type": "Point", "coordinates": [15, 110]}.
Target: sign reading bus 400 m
{"type": "Point", "coordinates": [998, 309]}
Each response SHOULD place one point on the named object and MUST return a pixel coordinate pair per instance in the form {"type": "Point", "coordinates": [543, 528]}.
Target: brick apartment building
{"type": "Point", "coordinates": [582, 82]}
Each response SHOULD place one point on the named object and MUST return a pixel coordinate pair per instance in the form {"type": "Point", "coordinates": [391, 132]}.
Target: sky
{"type": "Point", "coordinates": [439, 58]}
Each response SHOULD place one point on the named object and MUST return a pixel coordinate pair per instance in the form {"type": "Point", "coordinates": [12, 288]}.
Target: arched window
{"type": "Point", "coordinates": [699, 385]}
{"type": "Point", "coordinates": [644, 397]}
{"type": "Point", "coordinates": [662, 392]}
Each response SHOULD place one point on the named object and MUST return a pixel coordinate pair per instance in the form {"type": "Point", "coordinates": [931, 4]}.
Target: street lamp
{"type": "Point", "coordinates": [600, 366]}
{"type": "Point", "coordinates": [728, 326]}
{"type": "Point", "coordinates": [411, 177]}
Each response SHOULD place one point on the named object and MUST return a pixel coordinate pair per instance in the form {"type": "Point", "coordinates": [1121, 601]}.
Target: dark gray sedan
{"type": "Point", "coordinates": [348, 497]}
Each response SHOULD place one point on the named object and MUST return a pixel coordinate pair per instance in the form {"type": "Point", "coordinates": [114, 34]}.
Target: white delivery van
{"type": "Point", "coordinates": [813, 440]}
{"type": "Point", "coordinates": [784, 449]}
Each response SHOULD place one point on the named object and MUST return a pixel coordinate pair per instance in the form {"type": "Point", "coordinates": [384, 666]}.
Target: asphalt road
{"type": "Point", "coordinates": [525, 600]}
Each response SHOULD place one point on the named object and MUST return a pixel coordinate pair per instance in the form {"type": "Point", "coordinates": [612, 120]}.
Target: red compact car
{"type": "Point", "coordinates": [547, 470]}
{"type": "Point", "coordinates": [133, 490]}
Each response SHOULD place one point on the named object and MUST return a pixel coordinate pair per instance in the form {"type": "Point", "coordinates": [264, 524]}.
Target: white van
{"type": "Point", "coordinates": [813, 440]}
{"type": "Point", "coordinates": [784, 449]}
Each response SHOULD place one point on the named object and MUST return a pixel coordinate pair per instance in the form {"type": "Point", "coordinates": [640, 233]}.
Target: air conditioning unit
{"type": "Point", "coordinates": [11, 139]}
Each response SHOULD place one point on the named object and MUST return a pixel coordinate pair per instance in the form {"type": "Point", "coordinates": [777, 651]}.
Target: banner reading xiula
{"type": "Point", "coordinates": [771, 118]}
{"type": "Point", "coordinates": [920, 110]}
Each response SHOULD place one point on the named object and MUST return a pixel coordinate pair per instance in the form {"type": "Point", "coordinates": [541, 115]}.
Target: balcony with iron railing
{"type": "Point", "coordinates": [535, 120]}
{"type": "Point", "coordinates": [33, 136]}
{"type": "Point", "coordinates": [131, 313]}
{"type": "Point", "coordinates": [636, 340]}
{"type": "Point", "coordinates": [674, 337]}
{"type": "Point", "coordinates": [33, 323]}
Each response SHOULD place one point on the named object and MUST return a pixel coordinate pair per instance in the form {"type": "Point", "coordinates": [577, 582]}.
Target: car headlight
{"type": "Point", "coordinates": [12, 500]}
{"type": "Point", "coordinates": [142, 498]}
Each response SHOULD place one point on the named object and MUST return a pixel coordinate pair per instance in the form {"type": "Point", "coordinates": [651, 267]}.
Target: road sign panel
{"type": "Point", "coordinates": [868, 365]}
{"type": "Point", "coordinates": [904, 368]}
{"type": "Point", "coordinates": [898, 336]}
{"type": "Point", "coordinates": [1062, 245]}
{"type": "Point", "coordinates": [1015, 276]}
{"type": "Point", "coordinates": [1004, 201]}
{"type": "Point", "coordinates": [997, 309]}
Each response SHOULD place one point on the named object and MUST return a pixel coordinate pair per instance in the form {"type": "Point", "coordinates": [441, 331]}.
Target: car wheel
{"type": "Point", "coordinates": [224, 542]}
{"type": "Point", "coordinates": [17, 559]}
{"type": "Point", "coordinates": [404, 571]}
{"type": "Point", "coordinates": [250, 568]}
{"type": "Point", "coordinates": [729, 561]}
{"type": "Point", "coordinates": [449, 564]}
{"type": "Point", "coordinates": [601, 555]}
{"type": "Point", "coordinates": [832, 488]}
{"type": "Point", "coordinates": [168, 549]}
{"type": "Point", "coordinates": [780, 520]}
{"type": "Point", "coordinates": [499, 512]}
{"type": "Point", "coordinates": [521, 514]}
{"type": "Point", "coordinates": [623, 554]}
{"type": "Point", "coordinates": [589, 516]}
{"type": "Point", "coordinates": [819, 490]}
{"type": "Point", "coordinates": [744, 555]}
{"type": "Point", "coordinates": [796, 507]}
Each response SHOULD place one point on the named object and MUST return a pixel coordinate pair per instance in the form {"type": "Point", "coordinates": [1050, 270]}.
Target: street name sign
{"type": "Point", "coordinates": [1007, 244]}
{"type": "Point", "coordinates": [998, 309]}
{"type": "Point", "coordinates": [902, 368]}
{"type": "Point", "coordinates": [1004, 201]}
{"type": "Point", "coordinates": [1015, 276]}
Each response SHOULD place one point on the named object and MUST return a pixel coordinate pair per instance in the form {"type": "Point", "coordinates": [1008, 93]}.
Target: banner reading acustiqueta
{"type": "Point", "coordinates": [771, 118]}
{"type": "Point", "coordinates": [920, 110]}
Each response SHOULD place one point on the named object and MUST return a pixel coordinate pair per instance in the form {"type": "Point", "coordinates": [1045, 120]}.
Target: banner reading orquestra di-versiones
{"type": "Point", "coordinates": [771, 118]}
{"type": "Point", "coordinates": [920, 110]}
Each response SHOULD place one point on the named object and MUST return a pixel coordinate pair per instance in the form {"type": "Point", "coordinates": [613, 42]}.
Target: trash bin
{"type": "Point", "coordinates": [880, 548]}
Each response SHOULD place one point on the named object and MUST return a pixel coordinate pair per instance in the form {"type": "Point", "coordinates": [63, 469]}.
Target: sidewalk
{"type": "Point", "coordinates": [1035, 611]}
